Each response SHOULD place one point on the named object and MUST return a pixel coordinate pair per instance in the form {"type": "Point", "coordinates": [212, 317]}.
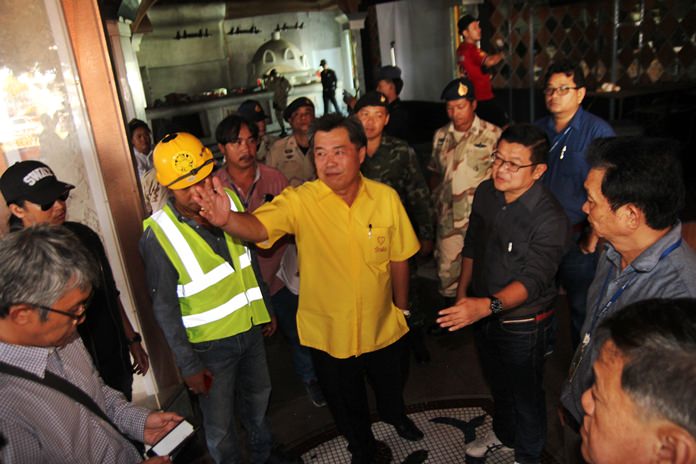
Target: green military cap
{"type": "Point", "coordinates": [372, 98]}
{"type": "Point", "coordinates": [458, 89]}
{"type": "Point", "coordinates": [296, 105]}
{"type": "Point", "coordinates": [252, 110]}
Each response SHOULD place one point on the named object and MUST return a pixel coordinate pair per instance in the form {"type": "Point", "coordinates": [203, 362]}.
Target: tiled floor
{"type": "Point", "coordinates": [453, 373]}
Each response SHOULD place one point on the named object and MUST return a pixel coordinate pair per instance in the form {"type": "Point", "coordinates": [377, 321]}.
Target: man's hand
{"type": "Point", "coordinates": [588, 242]}
{"type": "Point", "coordinates": [200, 382]}
{"type": "Point", "coordinates": [141, 362]}
{"type": "Point", "coordinates": [214, 202]}
{"type": "Point", "coordinates": [465, 312]}
{"type": "Point", "coordinates": [270, 328]}
{"type": "Point", "coordinates": [157, 425]}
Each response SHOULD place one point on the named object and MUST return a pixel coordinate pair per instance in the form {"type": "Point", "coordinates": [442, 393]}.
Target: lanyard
{"type": "Point", "coordinates": [245, 201]}
{"type": "Point", "coordinates": [564, 136]}
{"type": "Point", "coordinates": [600, 311]}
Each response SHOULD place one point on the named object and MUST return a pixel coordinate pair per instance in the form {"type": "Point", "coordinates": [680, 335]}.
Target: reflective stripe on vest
{"type": "Point", "coordinates": [199, 279]}
{"type": "Point", "coordinates": [228, 298]}
{"type": "Point", "coordinates": [223, 310]}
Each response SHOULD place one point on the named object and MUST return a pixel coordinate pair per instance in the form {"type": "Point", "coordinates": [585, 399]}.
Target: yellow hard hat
{"type": "Point", "coordinates": [181, 160]}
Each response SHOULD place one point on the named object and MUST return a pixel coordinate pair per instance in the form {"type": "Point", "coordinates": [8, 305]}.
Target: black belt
{"type": "Point", "coordinates": [538, 317]}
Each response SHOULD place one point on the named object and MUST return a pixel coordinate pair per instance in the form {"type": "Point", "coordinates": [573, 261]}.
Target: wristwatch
{"type": "Point", "coordinates": [496, 305]}
{"type": "Point", "coordinates": [135, 339]}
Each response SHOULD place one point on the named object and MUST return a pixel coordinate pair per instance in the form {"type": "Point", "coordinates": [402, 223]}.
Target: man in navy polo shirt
{"type": "Point", "coordinates": [571, 130]}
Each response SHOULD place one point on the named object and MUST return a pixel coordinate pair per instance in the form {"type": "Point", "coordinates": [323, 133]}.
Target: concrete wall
{"type": "Point", "coordinates": [193, 66]}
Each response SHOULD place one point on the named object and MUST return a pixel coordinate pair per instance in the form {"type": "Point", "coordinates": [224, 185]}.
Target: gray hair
{"type": "Point", "coordinates": [42, 263]}
{"type": "Point", "coordinates": [658, 340]}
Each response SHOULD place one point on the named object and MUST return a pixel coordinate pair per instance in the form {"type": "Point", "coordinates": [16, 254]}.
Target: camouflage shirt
{"type": "Point", "coordinates": [395, 164]}
{"type": "Point", "coordinates": [264, 148]}
{"type": "Point", "coordinates": [462, 166]}
{"type": "Point", "coordinates": [286, 156]}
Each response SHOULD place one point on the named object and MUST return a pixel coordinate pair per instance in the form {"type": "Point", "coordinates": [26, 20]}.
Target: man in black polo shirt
{"type": "Point", "coordinates": [517, 235]}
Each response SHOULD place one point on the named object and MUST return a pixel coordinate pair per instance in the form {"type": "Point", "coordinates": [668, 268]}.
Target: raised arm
{"type": "Point", "coordinates": [215, 208]}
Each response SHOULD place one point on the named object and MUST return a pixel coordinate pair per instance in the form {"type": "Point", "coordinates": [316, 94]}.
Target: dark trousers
{"type": "Point", "coordinates": [575, 274]}
{"type": "Point", "coordinates": [512, 359]}
{"type": "Point", "coordinates": [343, 384]}
{"type": "Point", "coordinates": [330, 97]}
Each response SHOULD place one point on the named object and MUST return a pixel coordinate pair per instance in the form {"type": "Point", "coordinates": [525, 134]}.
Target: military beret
{"type": "Point", "coordinates": [389, 72]}
{"type": "Point", "coordinates": [458, 89]}
{"type": "Point", "coordinates": [296, 105]}
{"type": "Point", "coordinates": [372, 98]}
{"type": "Point", "coordinates": [464, 22]}
{"type": "Point", "coordinates": [252, 110]}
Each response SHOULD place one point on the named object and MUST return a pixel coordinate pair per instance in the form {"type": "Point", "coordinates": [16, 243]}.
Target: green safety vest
{"type": "Point", "coordinates": [216, 299]}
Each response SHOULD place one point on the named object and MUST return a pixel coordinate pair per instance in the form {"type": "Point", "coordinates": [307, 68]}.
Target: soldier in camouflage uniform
{"type": "Point", "coordinates": [461, 160]}
{"type": "Point", "coordinates": [290, 155]}
{"type": "Point", "coordinates": [391, 161]}
{"type": "Point", "coordinates": [253, 111]}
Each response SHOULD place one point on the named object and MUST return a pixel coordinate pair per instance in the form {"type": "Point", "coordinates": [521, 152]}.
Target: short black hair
{"type": "Point", "coordinates": [657, 338]}
{"type": "Point", "coordinates": [567, 67]}
{"type": "Point", "coordinates": [228, 129]}
{"type": "Point", "coordinates": [397, 81]}
{"type": "Point", "coordinates": [529, 136]}
{"type": "Point", "coordinates": [332, 121]}
{"type": "Point", "coordinates": [134, 124]}
{"type": "Point", "coordinates": [643, 171]}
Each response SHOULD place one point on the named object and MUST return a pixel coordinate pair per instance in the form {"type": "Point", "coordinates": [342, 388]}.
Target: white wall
{"type": "Point", "coordinates": [421, 30]}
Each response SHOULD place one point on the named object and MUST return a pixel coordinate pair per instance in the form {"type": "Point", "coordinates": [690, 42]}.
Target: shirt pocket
{"type": "Point", "coordinates": [377, 245]}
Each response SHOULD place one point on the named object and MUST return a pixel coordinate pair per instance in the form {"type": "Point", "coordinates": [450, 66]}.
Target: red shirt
{"type": "Point", "coordinates": [268, 183]}
{"type": "Point", "coordinates": [470, 60]}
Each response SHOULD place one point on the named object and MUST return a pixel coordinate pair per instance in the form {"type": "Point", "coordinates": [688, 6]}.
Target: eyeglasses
{"type": "Point", "coordinates": [563, 90]}
{"type": "Point", "coordinates": [76, 316]}
{"type": "Point", "coordinates": [47, 206]}
{"type": "Point", "coordinates": [512, 167]}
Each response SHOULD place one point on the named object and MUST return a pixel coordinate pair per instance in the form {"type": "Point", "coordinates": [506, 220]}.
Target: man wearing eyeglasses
{"type": "Point", "coordinates": [571, 130]}
{"type": "Point", "coordinates": [516, 237]}
{"type": "Point", "coordinates": [39, 351]}
{"type": "Point", "coordinates": [35, 196]}
{"type": "Point", "coordinates": [460, 161]}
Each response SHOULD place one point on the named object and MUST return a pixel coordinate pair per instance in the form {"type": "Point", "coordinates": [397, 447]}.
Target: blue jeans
{"type": "Point", "coordinates": [241, 380]}
{"type": "Point", "coordinates": [575, 274]}
{"type": "Point", "coordinates": [512, 359]}
{"type": "Point", "coordinates": [285, 307]}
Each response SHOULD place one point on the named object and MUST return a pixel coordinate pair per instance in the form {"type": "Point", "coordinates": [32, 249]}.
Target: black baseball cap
{"type": "Point", "coordinates": [33, 181]}
{"type": "Point", "coordinates": [464, 22]}
{"type": "Point", "coordinates": [372, 98]}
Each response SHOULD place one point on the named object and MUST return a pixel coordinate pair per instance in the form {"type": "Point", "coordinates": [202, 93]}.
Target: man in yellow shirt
{"type": "Point", "coordinates": [354, 241]}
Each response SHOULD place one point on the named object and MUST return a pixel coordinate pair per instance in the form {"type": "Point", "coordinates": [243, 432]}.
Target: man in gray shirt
{"type": "Point", "coordinates": [45, 286]}
{"type": "Point", "coordinates": [635, 190]}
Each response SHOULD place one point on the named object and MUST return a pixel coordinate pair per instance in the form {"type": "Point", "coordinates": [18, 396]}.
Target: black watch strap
{"type": "Point", "coordinates": [135, 339]}
{"type": "Point", "coordinates": [496, 305]}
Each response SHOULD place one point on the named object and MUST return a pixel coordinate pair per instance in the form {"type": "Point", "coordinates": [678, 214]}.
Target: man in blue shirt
{"type": "Point", "coordinates": [571, 130]}
{"type": "Point", "coordinates": [635, 190]}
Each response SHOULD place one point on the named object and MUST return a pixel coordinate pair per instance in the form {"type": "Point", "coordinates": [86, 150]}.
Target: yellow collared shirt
{"type": "Point", "coordinates": [346, 307]}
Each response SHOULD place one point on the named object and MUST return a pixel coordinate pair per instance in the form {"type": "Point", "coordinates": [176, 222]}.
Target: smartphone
{"type": "Point", "coordinates": [171, 442]}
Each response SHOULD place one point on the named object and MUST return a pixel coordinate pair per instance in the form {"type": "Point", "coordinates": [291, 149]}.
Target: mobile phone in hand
{"type": "Point", "coordinates": [173, 440]}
